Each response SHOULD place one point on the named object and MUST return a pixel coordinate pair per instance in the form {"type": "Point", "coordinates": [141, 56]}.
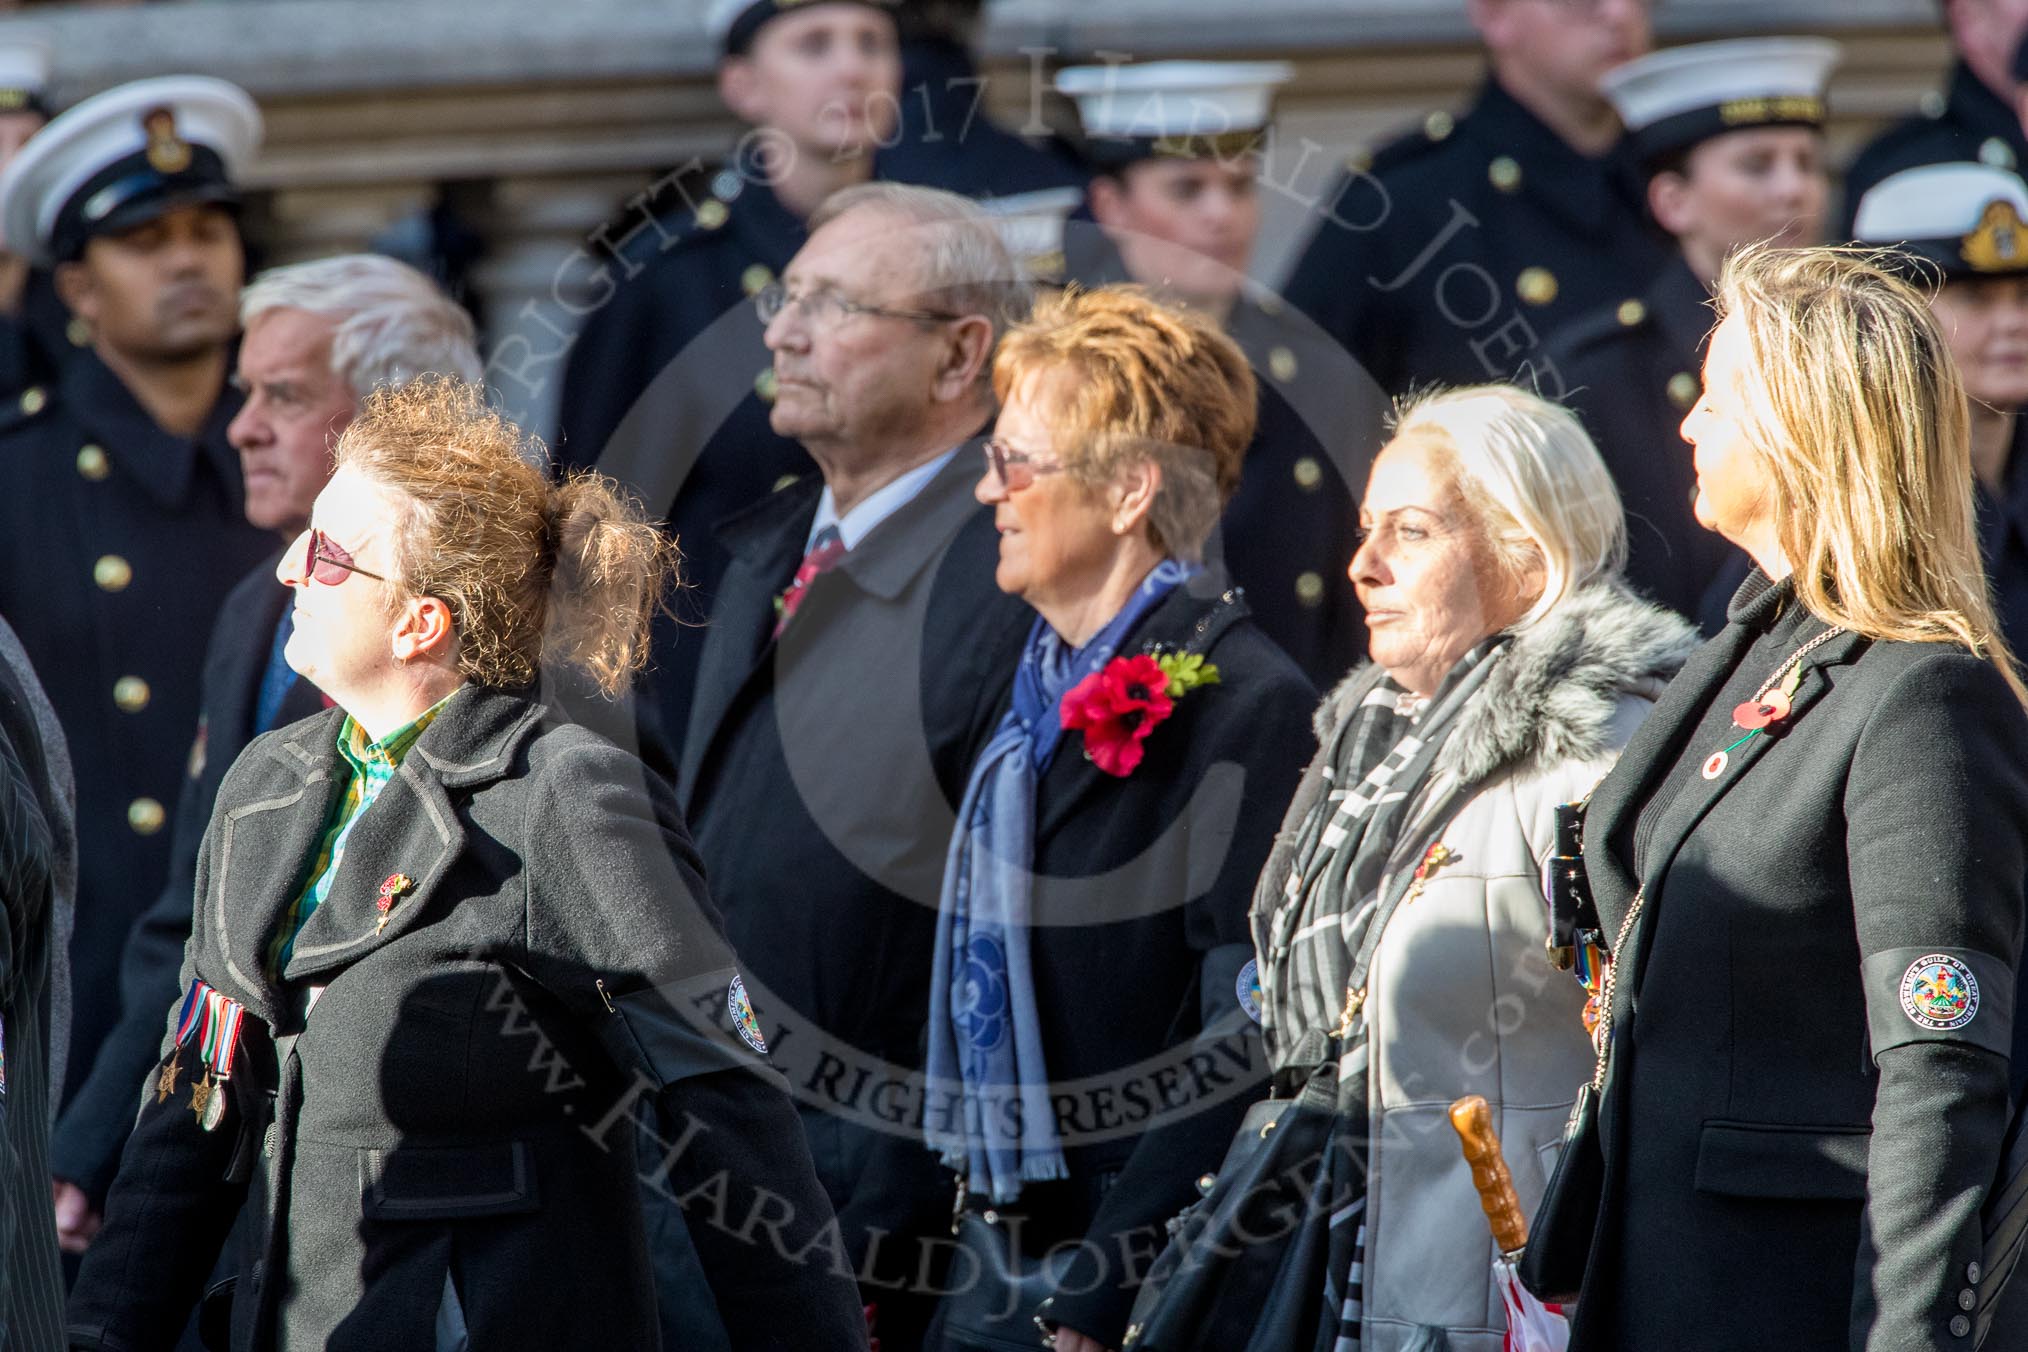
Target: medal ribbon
{"type": "Point", "coordinates": [186, 1021]}
{"type": "Point", "coordinates": [214, 1011]}
{"type": "Point", "coordinates": [229, 1038]}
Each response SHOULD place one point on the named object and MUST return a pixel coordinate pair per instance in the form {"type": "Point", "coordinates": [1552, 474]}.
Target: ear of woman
{"type": "Point", "coordinates": [423, 630]}
{"type": "Point", "coordinates": [1134, 494]}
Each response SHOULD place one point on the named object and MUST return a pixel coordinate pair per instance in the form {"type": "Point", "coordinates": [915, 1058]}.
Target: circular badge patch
{"type": "Point", "coordinates": [743, 1021]}
{"type": "Point", "coordinates": [1939, 993]}
{"type": "Point", "coordinates": [1248, 989]}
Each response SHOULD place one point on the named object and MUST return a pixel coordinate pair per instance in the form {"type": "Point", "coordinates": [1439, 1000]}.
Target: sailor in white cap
{"type": "Point", "coordinates": [1176, 149]}
{"type": "Point", "coordinates": [1731, 136]}
{"type": "Point", "coordinates": [121, 528]}
{"type": "Point", "coordinates": [1963, 231]}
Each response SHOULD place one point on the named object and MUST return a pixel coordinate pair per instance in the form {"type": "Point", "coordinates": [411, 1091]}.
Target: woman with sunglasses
{"type": "Point", "coordinates": [449, 951]}
{"type": "Point", "coordinates": [1092, 1039]}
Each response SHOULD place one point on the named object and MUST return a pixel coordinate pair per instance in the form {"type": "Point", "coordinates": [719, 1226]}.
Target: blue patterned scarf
{"type": "Point", "coordinates": [983, 1028]}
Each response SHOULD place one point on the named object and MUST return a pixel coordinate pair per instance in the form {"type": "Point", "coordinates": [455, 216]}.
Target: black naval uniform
{"type": "Point", "coordinates": [119, 543]}
{"type": "Point", "coordinates": [947, 141]}
{"type": "Point", "coordinates": [36, 338]}
{"type": "Point", "coordinates": [1632, 372]}
{"type": "Point", "coordinates": [1970, 122]}
{"type": "Point", "coordinates": [1464, 245]}
{"type": "Point", "coordinates": [692, 436]}
{"type": "Point", "coordinates": [1288, 535]}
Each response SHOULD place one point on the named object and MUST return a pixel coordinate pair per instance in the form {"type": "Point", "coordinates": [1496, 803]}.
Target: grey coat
{"type": "Point", "coordinates": [440, 1112]}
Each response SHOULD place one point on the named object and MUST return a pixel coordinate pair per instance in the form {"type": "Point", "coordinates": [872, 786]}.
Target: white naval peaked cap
{"type": "Point", "coordinates": [24, 69]}
{"type": "Point", "coordinates": [1673, 99]}
{"type": "Point", "coordinates": [124, 157]}
{"type": "Point", "coordinates": [1188, 108]}
{"type": "Point", "coordinates": [1966, 218]}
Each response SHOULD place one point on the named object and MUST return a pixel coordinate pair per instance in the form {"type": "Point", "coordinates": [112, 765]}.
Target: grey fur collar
{"type": "Point", "coordinates": [1552, 694]}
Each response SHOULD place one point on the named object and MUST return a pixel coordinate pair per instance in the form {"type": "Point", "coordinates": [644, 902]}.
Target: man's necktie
{"type": "Point", "coordinates": [825, 551]}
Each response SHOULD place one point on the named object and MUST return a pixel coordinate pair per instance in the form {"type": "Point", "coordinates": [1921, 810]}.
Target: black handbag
{"type": "Point", "coordinates": [1250, 1258]}
{"type": "Point", "coordinates": [994, 1290]}
{"type": "Point", "coordinates": [1559, 1238]}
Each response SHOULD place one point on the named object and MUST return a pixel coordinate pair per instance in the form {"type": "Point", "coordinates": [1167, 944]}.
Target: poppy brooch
{"type": "Point", "coordinates": [1117, 706]}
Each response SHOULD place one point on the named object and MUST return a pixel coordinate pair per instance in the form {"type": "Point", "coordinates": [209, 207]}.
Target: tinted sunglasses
{"type": "Point", "coordinates": [326, 562]}
{"type": "Point", "coordinates": [1016, 469]}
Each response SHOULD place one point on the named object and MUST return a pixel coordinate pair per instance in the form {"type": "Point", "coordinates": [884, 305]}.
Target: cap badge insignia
{"type": "Point", "coordinates": [744, 1022]}
{"type": "Point", "coordinates": [2000, 242]}
{"type": "Point", "coordinates": [1939, 992]}
{"type": "Point", "coordinates": [168, 153]}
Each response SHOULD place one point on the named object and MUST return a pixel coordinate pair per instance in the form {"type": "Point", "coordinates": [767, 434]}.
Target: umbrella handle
{"type": "Point", "coordinates": [1473, 1121]}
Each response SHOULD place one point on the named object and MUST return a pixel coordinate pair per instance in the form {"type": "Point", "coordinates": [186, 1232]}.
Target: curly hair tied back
{"type": "Point", "coordinates": [534, 573]}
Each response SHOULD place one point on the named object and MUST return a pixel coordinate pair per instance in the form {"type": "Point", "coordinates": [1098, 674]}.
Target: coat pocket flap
{"type": "Point", "coordinates": [1770, 1159]}
{"type": "Point", "coordinates": [412, 1183]}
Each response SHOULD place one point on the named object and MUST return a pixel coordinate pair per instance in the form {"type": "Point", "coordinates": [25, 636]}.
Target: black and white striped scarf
{"type": "Point", "coordinates": [1325, 915]}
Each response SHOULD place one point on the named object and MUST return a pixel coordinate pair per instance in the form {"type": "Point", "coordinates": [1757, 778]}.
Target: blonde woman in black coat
{"type": "Point", "coordinates": [1810, 860]}
{"type": "Point", "coordinates": [447, 952]}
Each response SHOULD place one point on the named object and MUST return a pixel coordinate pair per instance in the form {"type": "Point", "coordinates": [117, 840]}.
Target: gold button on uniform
{"type": "Point", "coordinates": [79, 333]}
{"type": "Point", "coordinates": [131, 693]}
{"type": "Point", "coordinates": [787, 480]}
{"type": "Point", "coordinates": [1632, 312]}
{"type": "Point", "coordinates": [1360, 160]}
{"type": "Point", "coordinates": [764, 385]}
{"type": "Point", "coordinates": [1537, 286]}
{"type": "Point", "coordinates": [712, 214]}
{"type": "Point", "coordinates": [1505, 173]}
{"type": "Point", "coordinates": [1282, 363]}
{"type": "Point", "coordinates": [32, 400]}
{"type": "Point", "coordinates": [1996, 154]}
{"type": "Point", "coordinates": [756, 279]}
{"type": "Point", "coordinates": [1309, 588]}
{"type": "Point", "coordinates": [1309, 474]}
{"type": "Point", "coordinates": [1684, 389]}
{"type": "Point", "coordinates": [1438, 125]}
{"type": "Point", "coordinates": [145, 816]}
{"type": "Point", "coordinates": [92, 462]}
{"type": "Point", "coordinates": [112, 573]}
{"type": "Point", "coordinates": [1270, 304]}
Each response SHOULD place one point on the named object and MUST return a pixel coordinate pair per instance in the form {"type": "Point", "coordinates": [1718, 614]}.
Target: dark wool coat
{"type": "Point", "coordinates": [1793, 1157]}
{"type": "Point", "coordinates": [459, 1103]}
{"type": "Point", "coordinates": [1142, 886]}
{"type": "Point", "coordinates": [822, 773]}
{"type": "Point", "coordinates": [38, 870]}
{"type": "Point", "coordinates": [1966, 122]}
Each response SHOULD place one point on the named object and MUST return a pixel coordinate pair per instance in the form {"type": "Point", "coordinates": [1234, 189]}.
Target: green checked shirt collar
{"type": "Point", "coordinates": [369, 767]}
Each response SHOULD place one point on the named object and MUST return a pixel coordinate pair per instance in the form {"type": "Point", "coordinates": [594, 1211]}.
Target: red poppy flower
{"type": "Point", "coordinates": [1116, 707]}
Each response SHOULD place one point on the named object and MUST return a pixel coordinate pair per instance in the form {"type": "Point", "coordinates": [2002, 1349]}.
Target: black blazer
{"type": "Point", "coordinates": [1793, 1158]}
{"type": "Point", "coordinates": [1142, 887]}
{"type": "Point", "coordinates": [86, 1150]}
{"type": "Point", "coordinates": [821, 774]}
{"type": "Point", "coordinates": [460, 1099]}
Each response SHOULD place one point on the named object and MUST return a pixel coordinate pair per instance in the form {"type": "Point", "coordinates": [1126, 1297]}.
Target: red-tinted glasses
{"type": "Point", "coordinates": [326, 562]}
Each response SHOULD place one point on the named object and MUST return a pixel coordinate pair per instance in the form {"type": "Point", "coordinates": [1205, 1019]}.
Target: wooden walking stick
{"type": "Point", "coordinates": [1531, 1325]}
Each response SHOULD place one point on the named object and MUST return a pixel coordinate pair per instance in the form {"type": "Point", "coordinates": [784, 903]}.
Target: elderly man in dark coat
{"type": "Point", "coordinates": [855, 658]}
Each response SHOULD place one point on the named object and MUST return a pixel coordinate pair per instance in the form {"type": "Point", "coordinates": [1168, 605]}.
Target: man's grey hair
{"type": "Point", "coordinates": [393, 323]}
{"type": "Point", "coordinates": [965, 267]}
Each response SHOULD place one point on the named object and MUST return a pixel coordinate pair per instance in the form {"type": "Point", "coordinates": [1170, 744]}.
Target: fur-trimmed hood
{"type": "Point", "coordinates": [1551, 695]}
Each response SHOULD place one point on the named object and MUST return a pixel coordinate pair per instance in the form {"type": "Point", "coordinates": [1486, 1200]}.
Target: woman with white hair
{"type": "Point", "coordinates": [1401, 918]}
